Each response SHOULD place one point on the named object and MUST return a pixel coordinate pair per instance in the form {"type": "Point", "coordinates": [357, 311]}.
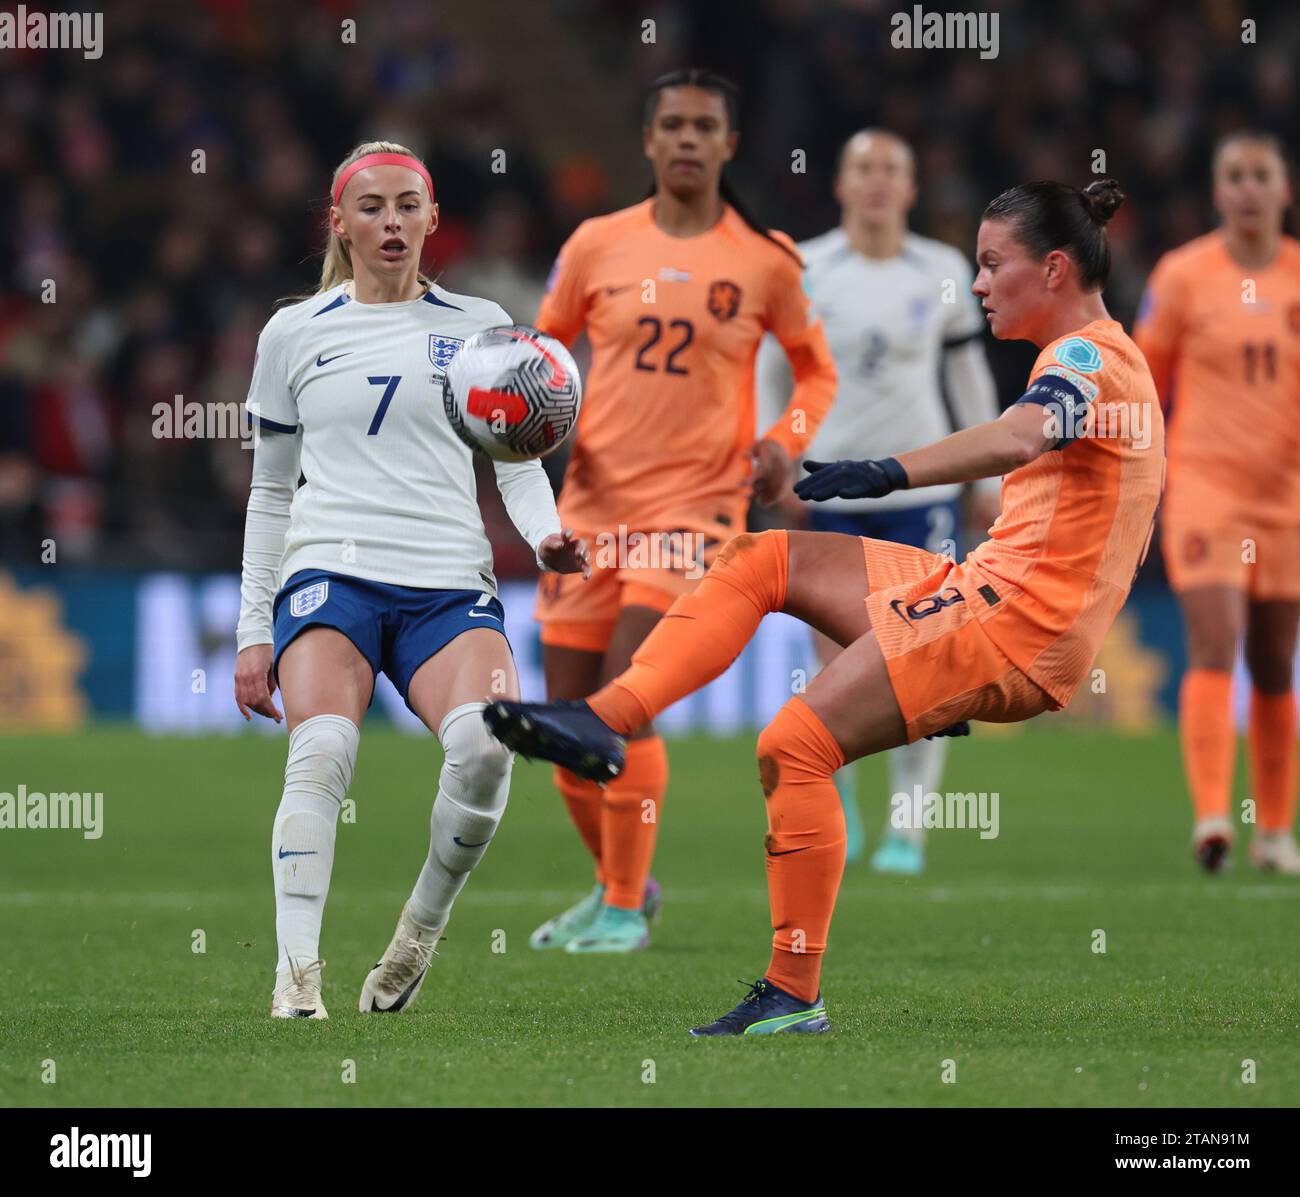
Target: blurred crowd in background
{"type": "Point", "coordinates": [165, 274]}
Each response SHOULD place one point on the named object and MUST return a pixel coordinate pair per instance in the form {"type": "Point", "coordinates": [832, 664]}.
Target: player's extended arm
{"type": "Point", "coordinates": [988, 450]}
{"type": "Point", "coordinates": [1014, 439]}
{"type": "Point", "coordinates": [275, 478]}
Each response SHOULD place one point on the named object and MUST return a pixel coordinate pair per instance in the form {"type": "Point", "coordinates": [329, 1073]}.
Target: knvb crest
{"type": "Point", "coordinates": [724, 299]}
{"type": "Point", "coordinates": [309, 598]}
{"type": "Point", "coordinates": [443, 349]}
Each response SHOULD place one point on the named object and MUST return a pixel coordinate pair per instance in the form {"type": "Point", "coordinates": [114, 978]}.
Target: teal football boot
{"type": "Point", "coordinates": [900, 856]}
{"type": "Point", "coordinates": [613, 930]}
{"type": "Point", "coordinates": [556, 932]}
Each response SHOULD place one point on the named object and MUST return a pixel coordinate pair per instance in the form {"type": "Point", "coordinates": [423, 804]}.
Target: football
{"type": "Point", "coordinates": [512, 392]}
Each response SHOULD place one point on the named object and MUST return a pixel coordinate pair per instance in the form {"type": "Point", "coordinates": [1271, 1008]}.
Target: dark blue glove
{"type": "Point", "coordinates": [851, 479]}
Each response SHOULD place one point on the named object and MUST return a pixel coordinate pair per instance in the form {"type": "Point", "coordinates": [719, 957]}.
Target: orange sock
{"type": "Point", "coordinates": [1273, 759]}
{"type": "Point", "coordinates": [583, 800]}
{"type": "Point", "coordinates": [797, 758]}
{"type": "Point", "coordinates": [701, 633]}
{"type": "Point", "coordinates": [1209, 739]}
{"type": "Point", "coordinates": [629, 822]}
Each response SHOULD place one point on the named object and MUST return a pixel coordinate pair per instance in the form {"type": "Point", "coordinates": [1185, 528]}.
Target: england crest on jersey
{"type": "Point", "coordinates": [309, 598]}
{"type": "Point", "coordinates": [443, 349]}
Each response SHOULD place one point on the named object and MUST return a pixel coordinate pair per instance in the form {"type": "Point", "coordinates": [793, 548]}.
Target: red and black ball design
{"type": "Point", "coordinates": [512, 392]}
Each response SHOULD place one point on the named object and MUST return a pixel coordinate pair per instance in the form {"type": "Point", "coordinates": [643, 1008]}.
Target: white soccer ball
{"type": "Point", "coordinates": [512, 392]}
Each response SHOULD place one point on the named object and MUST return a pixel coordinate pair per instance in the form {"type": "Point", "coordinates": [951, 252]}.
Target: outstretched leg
{"type": "Point", "coordinates": [819, 577]}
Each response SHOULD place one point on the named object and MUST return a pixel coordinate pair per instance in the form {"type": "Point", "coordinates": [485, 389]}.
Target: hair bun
{"type": "Point", "coordinates": [1101, 198]}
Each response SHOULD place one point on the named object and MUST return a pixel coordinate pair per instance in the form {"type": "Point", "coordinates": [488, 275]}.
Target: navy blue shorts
{"type": "Point", "coordinates": [396, 628]}
{"type": "Point", "coordinates": [924, 527]}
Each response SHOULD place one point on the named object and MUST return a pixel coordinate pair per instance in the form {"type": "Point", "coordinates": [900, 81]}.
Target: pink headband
{"type": "Point", "coordinates": [382, 160]}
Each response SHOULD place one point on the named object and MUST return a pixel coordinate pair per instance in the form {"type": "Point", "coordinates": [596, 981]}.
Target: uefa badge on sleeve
{"type": "Point", "coordinates": [309, 598]}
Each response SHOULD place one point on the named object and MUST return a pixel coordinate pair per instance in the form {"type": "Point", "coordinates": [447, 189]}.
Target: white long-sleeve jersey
{"type": "Point", "coordinates": [348, 396]}
{"type": "Point", "coordinates": [893, 326]}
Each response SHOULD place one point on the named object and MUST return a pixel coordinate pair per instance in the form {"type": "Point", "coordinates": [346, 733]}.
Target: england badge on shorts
{"type": "Point", "coordinates": [443, 349]}
{"type": "Point", "coordinates": [309, 598]}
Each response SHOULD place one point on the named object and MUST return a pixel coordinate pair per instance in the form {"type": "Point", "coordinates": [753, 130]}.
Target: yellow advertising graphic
{"type": "Point", "coordinates": [39, 663]}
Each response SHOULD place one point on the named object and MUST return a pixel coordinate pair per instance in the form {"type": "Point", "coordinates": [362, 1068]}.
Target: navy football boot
{"type": "Point", "coordinates": [568, 733]}
{"type": "Point", "coordinates": [767, 1010]}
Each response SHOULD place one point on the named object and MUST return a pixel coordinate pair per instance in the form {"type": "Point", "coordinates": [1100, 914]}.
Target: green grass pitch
{"type": "Point", "coordinates": [986, 961]}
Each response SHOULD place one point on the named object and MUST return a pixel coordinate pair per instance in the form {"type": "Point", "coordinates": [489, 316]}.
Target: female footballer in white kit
{"type": "Point", "coordinates": [378, 561]}
{"type": "Point", "coordinates": [898, 312]}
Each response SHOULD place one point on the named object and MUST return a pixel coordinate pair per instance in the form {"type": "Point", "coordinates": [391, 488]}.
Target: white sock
{"type": "Point", "coordinates": [472, 792]}
{"type": "Point", "coordinates": [911, 765]}
{"type": "Point", "coordinates": [322, 755]}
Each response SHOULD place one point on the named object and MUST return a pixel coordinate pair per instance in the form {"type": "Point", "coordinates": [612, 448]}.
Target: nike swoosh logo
{"type": "Point", "coordinates": [325, 361]}
{"type": "Point", "coordinates": [790, 851]}
{"type": "Point", "coordinates": [483, 615]}
{"type": "Point", "coordinates": [894, 607]}
{"type": "Point", "coordinates": [283, 853]}
{"type": "Point", "coordinates": [463, 844]}
{"type": "Point", "coordinates": [399, 1003]}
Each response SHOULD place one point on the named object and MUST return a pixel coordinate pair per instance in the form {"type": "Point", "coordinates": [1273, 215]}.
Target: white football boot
{"type": "Point", "coordinates": [394, 982]}
{"type": "Point", "coordinates": [1275, 852]}
{"type": "Point", "coordinates": [298, 995]}
{"type": "Point", "coordinates": [1212, 840]}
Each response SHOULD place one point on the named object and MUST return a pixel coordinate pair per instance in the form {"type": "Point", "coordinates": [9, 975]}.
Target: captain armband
{"type": "Point", "coordinates": [1066, 399]}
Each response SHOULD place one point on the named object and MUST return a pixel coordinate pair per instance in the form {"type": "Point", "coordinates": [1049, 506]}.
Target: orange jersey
{"type": "Point", "coordinates": [1076, 522]}
{"type": "Point", "coordinates": [674, 325]}
{"type": "Point", "coordinates": [1224, 343]}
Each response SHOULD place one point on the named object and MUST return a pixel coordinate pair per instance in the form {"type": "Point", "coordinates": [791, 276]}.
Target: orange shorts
{"type": "Point", "coordinates": [942, 664]}
{"type": "Point", "coordinates": [1205, 544]}
{"type": "Point", "coordinates": [637, 569]}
